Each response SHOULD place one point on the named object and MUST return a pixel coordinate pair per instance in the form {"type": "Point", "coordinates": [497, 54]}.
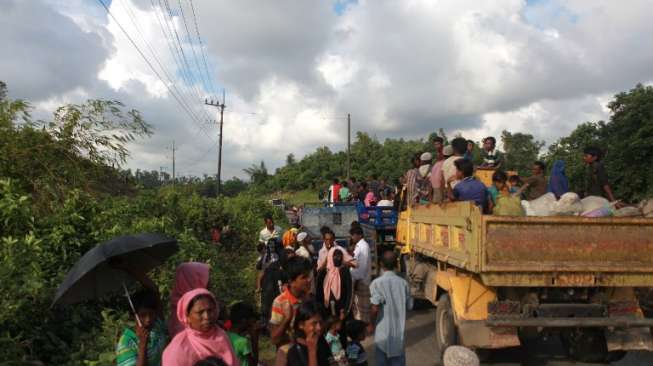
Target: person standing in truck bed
{"type": "Point", "coordinates": [596, 181]}
{"type": "Point", "coordinates": [536, 185]}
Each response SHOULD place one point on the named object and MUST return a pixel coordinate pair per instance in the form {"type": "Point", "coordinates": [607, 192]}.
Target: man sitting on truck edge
{"type": "Point", "coordinates": [596, 181]}
{"type": "Point", "coordinates": [469, 189]}
{"type": "Point", "coordinates": [492, 158]}
{"type": "Point", "coordinates": [459, 146]}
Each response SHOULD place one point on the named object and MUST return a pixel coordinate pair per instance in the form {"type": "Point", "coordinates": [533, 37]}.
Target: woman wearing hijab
{"type": "Point", "coordinates": [189, 276]}
{"type": "Point", "coordinates": [558, 182]}
{"type": "Point", "coordinates": [336, 283]}
{"type": "Point", "coordinates": [201, 337]}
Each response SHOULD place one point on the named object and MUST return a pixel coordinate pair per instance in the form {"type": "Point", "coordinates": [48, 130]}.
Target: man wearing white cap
{"type": "Point", "coordinates": [304, 250]}
{"type": "Point", "coordinates": [437, 176]}
{"type": "Point", "coordinates": [423, 183]}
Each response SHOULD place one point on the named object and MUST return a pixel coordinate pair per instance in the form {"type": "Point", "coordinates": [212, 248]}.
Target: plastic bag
{"type": "Point", "coordinates": [647, 207]}
{"type": "Point", "coordinates": [542, 206]}
{"type": "Point", "coordinates": [628, 211]}
{"type": "Point", "coordinates": [591, 203]}
{"type": "Point", "coordinates": [508, 206]}
{"type": "Point", "coordinates": [599, 212]}
{"type": "Point", "coordinates": [569, 204]}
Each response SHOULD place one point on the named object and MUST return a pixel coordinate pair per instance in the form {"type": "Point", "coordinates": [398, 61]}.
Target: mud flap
{"type": "Point", "coordinates": [476, 334]}
{"type": "Point", "coordinates": [629, 339]}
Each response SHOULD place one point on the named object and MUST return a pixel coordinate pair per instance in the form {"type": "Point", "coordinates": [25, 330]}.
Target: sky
{"type": "Point", "coordinates": [293, 69]}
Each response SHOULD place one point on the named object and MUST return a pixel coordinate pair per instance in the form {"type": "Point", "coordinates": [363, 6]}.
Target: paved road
{"type": "Point", "coordinates": [420, 343]}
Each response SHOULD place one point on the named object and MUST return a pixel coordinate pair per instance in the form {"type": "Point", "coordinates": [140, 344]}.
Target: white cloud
{"type": "Point", "coordinates": [294, 69]}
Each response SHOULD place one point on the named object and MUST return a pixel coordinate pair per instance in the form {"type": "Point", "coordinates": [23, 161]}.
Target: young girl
{"type": "Point", "coordinates": [309, 347]}
{"type": "Point", "coordinates": [333, 336]}
{"type": "Point", "coordinates": [356, 330]}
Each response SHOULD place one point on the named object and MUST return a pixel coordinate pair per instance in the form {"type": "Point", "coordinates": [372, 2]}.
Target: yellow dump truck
{"type": "Point", "coordinates": [498, 279]}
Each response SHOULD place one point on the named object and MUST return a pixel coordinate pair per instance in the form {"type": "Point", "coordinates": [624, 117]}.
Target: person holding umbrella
{"type": "Point", "coordinates": [198, 311]}
{"type": "Point", "coordinates": [143, 345]}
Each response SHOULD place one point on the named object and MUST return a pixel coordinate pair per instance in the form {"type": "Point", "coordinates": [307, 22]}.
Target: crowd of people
{"type": "Point", "coordinates": [451, 177]}
{"type": "Point", "coordinates": [449, 174]}
{"type": "Point", "coordinates": [374, 191]}
{"type": "Point", "coordinates": [317, 306]}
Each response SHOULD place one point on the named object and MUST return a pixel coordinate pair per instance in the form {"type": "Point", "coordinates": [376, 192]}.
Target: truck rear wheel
{"type": "Point", "coordinates": [445, 328]}
{"type": "Point", "coordinates": [589, 345]}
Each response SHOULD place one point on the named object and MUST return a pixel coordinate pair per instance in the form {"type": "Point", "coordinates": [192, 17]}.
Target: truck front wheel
{"type": "Point", "coordinates": [445, 328]}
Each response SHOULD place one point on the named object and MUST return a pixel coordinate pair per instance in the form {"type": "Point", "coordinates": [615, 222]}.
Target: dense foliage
{"type": "Point", "coordinates": [62, 192]}
{"type": "Point", "coordinates": [60, 196]}
{"type": "Point", "coordinates": [626, 141]}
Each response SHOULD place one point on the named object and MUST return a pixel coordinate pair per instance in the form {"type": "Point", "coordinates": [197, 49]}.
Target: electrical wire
{"type": "Point", "coordinates": [147, 61]}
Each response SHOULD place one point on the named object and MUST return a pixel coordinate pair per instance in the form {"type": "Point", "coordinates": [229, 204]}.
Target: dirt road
{"type": "Point", "coordinates": [420, 343]}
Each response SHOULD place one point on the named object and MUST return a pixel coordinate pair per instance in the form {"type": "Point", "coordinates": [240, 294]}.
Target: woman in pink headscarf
{"type": "Point", "coordinates": [337, 281]}
{"type": "Point", "coordinates": [189, 276]}
{"type": "Point", "coordinates": [201, 337]}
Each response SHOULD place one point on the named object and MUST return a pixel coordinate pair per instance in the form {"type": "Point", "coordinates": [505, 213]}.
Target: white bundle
{"type": "Point", "coordinates": [542, 206]}
{"type": "Point", "coordinates": [569, 204]}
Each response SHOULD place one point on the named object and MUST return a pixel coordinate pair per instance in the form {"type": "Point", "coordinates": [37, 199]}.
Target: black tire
{"type": "Point", "coordinates": [446, 333]}
{"type": "Point", "coordinates": [589, 345]}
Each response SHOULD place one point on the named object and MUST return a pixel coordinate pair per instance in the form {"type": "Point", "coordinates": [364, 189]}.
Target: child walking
{"type": "Point", "coordinates": [356, 355]}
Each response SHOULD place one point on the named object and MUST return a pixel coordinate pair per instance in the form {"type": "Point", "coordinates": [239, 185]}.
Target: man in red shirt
{"type": "Point", "coordinates": [334, 191]}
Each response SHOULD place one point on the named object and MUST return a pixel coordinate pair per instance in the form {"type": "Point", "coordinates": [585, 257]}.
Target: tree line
{"type": "Point", "coordinates": [626, 141]}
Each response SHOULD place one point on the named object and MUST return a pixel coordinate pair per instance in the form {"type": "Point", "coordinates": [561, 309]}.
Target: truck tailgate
{"type": "Point", "coordinates": [567, 244]}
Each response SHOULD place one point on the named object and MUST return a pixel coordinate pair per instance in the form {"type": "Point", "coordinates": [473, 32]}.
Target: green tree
{"type": "Point", "coordinates": [521, 150]}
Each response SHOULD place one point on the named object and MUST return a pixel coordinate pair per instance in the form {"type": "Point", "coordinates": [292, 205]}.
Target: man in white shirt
{"type": "Point", "coordinates": [329, 238]}
{"type": "Point", "coordinates": [459, 146]}
{"type": "Point", "coordinates": [361, 275]}
{"type": "Point", "coordinates": [270, 231]}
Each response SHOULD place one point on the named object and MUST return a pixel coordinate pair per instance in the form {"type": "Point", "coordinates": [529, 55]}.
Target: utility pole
{"type": "Point", "coordinates": [173, 162]}
{"type": "Point", "coordinates": [348, 145]}
{"type": "Point", "coordinates": [221, 106]}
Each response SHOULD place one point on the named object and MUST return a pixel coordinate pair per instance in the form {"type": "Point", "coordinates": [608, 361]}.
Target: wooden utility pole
{"type": "Point", "coordinates": [348, 146]}
{"type": "Point", "coordinates": [221, 106]}
{"type": "Point", "coordinates": [173, 162]}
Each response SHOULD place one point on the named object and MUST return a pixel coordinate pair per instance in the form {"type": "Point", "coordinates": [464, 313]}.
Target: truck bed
{"type": "Point", "coordinates": [533, 251]}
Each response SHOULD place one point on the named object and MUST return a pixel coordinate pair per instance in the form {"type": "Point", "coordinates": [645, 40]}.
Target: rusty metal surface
{"type": "Point", "coordinates": [477, 334]}
{"type": "Point", "coordinates": [550, 279]}
{"type": "Point", "coordinates": [568, 244]}
{"type": "Point", "coordinates": [626, 322]}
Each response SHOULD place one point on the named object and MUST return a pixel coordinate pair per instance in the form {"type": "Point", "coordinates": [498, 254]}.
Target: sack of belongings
{"type": "Point", "coordinates": [508, 206]}
{"type": "Point", "coordinates": [542, 206]}
{"type": "Point", "coordinates": [595, 206]}
{"type": "Point", "coordinates": [647, 207]}
{"type": "Point", "coordinates": [628, 211]}
{"type": "Point", "coordinates": [569, 204]}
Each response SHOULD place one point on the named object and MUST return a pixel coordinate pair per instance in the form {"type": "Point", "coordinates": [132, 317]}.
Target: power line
{"type": "Point", "coordinates": [134, 21]}
{"type": "Point", "coordinates": [199, 38]}
{"type": "Point", "coordinates": [180, 60]}
{"type": "Point", "coordinates": [191, 77]}
{"type": "Point", "coordinates": [192, 46]}
{"type": "Point", "coordinates": [140, 52]}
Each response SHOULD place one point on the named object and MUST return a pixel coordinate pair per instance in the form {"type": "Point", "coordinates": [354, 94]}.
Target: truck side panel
{"type": "Point", "coordinates": [567, 244]}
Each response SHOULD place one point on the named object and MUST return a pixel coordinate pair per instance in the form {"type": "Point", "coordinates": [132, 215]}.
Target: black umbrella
{"type": "Point", "coordinates": [92, 276]}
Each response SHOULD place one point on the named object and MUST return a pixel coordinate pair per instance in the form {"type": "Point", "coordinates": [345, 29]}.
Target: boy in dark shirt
{"type": "Point", "coordinates": [596, 183]}
{"type": "Point", "coordinates": [468, 189]}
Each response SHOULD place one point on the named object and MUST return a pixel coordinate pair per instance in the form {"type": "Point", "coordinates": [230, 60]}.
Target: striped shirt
{"type": "Point", "coordinates": [127, 348]}
{"type": "Point", "coordinates": [282, 305]}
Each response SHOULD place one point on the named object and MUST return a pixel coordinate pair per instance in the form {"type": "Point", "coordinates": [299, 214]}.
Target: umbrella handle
{"type": "Point", "coordinates": [131, 305]}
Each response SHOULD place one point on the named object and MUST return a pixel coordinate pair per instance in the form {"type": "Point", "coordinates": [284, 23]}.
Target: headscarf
{"type": "Point", "coordinates": [332, 280]}
{"type": "Point", "coordinates": [558, 182]}
{"type": "Point", "coordinates": [189, 276]}
{"type": "Point", "coordinates": [190, 345]}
